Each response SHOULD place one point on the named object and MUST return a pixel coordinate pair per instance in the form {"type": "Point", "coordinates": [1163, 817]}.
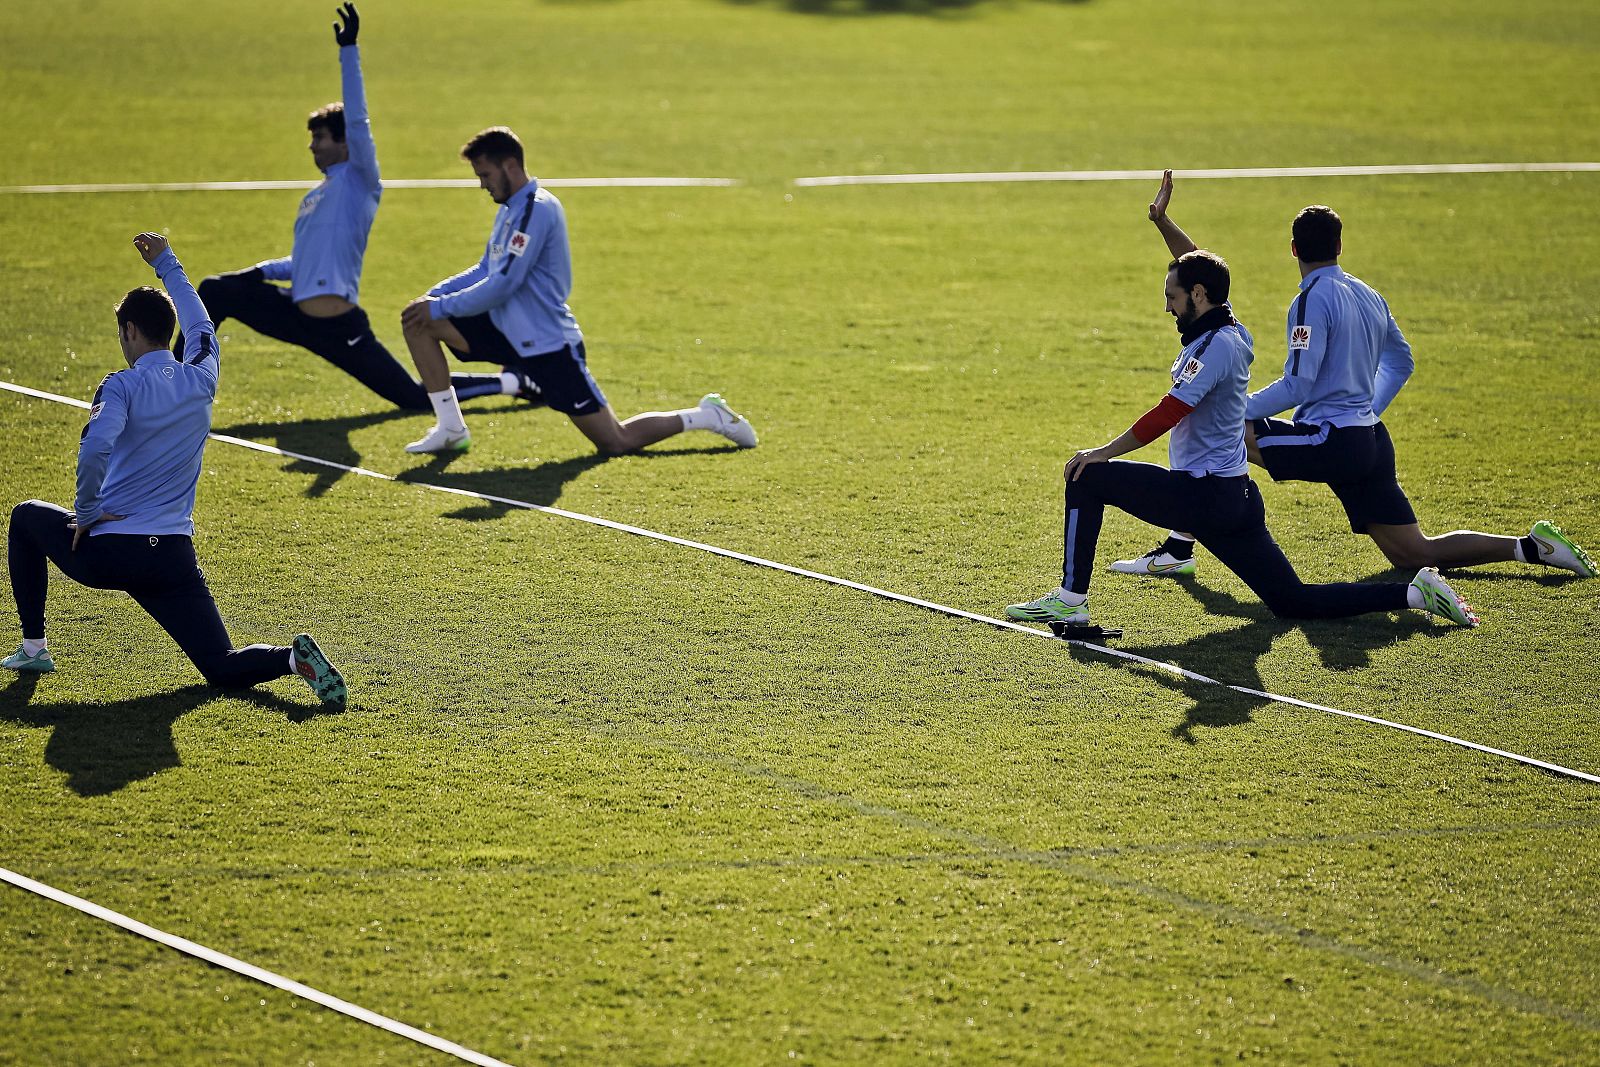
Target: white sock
{"type": "Point", "coordinates": [699, 418]}
{"type": "Point", "coordinates": [1180, 536]}
{"type": "Point", "coordinates": [1520, 554]}
{"type": "Point", "coordinates": [447, 409]}
{"type": "Point", "coordinates": [1414, 598]}
{"type": "Point", "coordinates": [31, 647]}
{"type": "Point", "coordinates": [1069, 598]}
{"type": "Point", "coordinates": [510, 384]}
{"type": "Point", "coordinates": [294, 664]}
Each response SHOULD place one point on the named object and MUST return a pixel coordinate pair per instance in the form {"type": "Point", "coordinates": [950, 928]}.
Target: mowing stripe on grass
{"type": "Point", "coordinates": [971, 177]}
{"type": "Point", "coordinates": [249, 970]}
{"type": "Point", "coordinates": [1003, 624]}
{"type": "Point", "coordinates": [390, 183]}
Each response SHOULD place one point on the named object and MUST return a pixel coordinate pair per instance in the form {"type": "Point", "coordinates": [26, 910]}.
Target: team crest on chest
{"type": "Point", "coordinates": [1299, 338]}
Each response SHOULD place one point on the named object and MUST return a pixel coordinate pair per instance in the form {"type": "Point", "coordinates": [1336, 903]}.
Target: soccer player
{"type": "Point", "coordinates": [1347, 360]}
{"type": "Point", "coordinates": [318, 309]}
{"type": "Point", "coordinates": [1207, 489]}
{"type": "Point", "coordinates": [131, 529]}
{"type": "Point", "coordinates": [510, 308]}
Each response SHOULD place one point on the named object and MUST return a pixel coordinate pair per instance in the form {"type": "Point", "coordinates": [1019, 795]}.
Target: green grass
{"type": "Point", "coordinates": [602, 799]}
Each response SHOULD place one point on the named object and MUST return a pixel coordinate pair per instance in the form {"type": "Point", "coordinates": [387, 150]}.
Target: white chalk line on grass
{"type": "Point", "coordinates": [249, 970]}
{"type": "Point", "coordinates": [1003, 624]}
{"type": "Point", "coordinates": [393, 183]}
{"type": "Point", "coordinates": [974, 177]}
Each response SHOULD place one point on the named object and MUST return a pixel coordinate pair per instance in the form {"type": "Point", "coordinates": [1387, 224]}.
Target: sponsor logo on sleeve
{"type": "Point", "coordinates": [1191, 370]}
{"type": "Point", "coordinates": [519, 243]}
{"type": "Point", "coordinates": [94, 412]}
{"type": "Point", "coordinates": [1299, 338]}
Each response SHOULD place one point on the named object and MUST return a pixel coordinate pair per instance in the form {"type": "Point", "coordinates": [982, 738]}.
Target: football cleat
{"type": "Point", "coordinates": [729, 423]}
{"type": "Point", "coordinates": [1556, 549]}
{"type": "Point", "coordinates": [323, 677]}
{"type": "Point", "coordinates": [527, 391]}
{"type": "Point", "coordinates": [21, 661]}
{"type": "Point", "coordinates": [440, 439]}
{"type": "Point", "coordinates": [1439, 599]}
{"type": "Point", "coordinates": [1157, 561]}
{"type": "Point", "coordinates": [1050, 608]}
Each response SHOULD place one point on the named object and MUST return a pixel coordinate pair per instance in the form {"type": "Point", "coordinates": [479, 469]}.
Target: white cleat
{"type": "Point", "coordinates": [1157, 561]}
{"type": "Point", "coordinates": [1556, 549]}
{"type": "Point", "coordinates": [729, 423]}
{"type": "Point", "coordinates": [1440, 600]}
{"type": "Point", "coordinates": [440, 439]}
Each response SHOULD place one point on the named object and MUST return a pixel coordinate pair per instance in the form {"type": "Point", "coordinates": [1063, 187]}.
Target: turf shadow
{"type": "Point", "coordinates": [862, 8]}
{"type": "Point", "coordinates": [1233, 656]}
{"type": "Point", "coordinates": [103, 747]}
{"type": "Point", "coordinates": [540, 484]}
{"type": "Point", "coordinates": [324, 438]}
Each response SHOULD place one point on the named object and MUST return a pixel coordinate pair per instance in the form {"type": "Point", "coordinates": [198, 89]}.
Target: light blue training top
{"type": "Point", "coordinates": [141, 448]}
{"type": "Point", "coordinates": [330, 231]}
{"type": "Point", "coordinates": [1347, 357]}
{"type": "Point", "coordinates": [523, 279]}
{"type": "Point", "coordinates": [1211, 375]}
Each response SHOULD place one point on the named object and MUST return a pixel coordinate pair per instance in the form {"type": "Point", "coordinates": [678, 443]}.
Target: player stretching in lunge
{"type": "Point", "coordinates": [318, 310]}
{"type": "Point", "coordinates": [511, 309]}
{"type": "Point", "coordinates": [138, 464]}
{"type": "Point", "coordinates": [1347, 360]}
{"type": "Point", "coordinates": [1207, 490]}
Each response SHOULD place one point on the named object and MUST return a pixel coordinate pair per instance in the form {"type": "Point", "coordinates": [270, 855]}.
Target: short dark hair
{"type": "Point", "coordinates": [1203, 268]}
{"type": "Point", "coordinates": [330, 118]}
{"type": "Point", "coordinates": [151, 311]}
{"type": "Point", "coordinates": [1317, 230]}
{"type": "Point", "coordinates": [496, 144]}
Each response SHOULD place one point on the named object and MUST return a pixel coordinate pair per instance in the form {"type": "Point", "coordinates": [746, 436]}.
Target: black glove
{"type": "Point", "coordinates": [345, 34]}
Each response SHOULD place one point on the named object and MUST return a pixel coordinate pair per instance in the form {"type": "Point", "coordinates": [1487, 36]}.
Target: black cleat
{"type": "Point", "coordinates": [1084, 631]}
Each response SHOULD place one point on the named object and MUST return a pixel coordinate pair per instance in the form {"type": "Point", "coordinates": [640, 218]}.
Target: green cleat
{"type": "Point", "coordinates": [21, 661]}
{"type": "Point", "coordinates": [1050, 608]}
{"type": "Point", "coordinates": [1439, 599]}
{"type": "Point", "coordinates": [1556, 549]}
{"type": "Point", "coordinates": [323, 677]}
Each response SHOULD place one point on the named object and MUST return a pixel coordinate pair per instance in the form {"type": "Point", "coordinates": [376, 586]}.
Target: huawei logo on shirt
{"type": "Point", "coordinates": [1300, 338]}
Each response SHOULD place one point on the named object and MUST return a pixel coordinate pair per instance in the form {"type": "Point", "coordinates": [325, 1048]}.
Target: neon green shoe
{"type": "Point", "coordinates": [1556, 549]}
{"type": "Point", "coordinates": [1439, 599]}
{"type": "Point", "coordinates": [323, 677]}
{"type": "Point", "coordinates": [21, 661]}
{"type": "Point", "coordinates": [1050, 608]}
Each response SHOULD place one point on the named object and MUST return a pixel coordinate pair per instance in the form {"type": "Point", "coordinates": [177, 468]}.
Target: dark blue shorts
{"type": "Point", "coordinates": [562, 376]}
{"type": "Point", "coordinates": [1356, 462]}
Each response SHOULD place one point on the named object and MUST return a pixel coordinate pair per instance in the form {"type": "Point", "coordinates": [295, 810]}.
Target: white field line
{"type": "Point", "coordinates": [965, 178]}
{"type": "Point", "coordinates": [393, 183]}
{"type": "Point", "coordinates": [728, 553]}
{"type": "Point", "coordinates": [249, 970]}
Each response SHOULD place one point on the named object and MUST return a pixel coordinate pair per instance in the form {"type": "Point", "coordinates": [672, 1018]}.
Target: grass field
{"type": "Point", "coordinates": [599, 799]}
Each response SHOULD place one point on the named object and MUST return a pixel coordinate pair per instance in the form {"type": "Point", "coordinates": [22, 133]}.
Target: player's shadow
{"type": "Point", "coordinates": [324, 438]}
{"type": "Point", "coordinates": [859, 8]}
{"type": "Point", "coordinates": [1232, 656]}
{"type": "Point", "coordinates": [103, 747]}
{"type": "Point", "coordinates": [539, 485]}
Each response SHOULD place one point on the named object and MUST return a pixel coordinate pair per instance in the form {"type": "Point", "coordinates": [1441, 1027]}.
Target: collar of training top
{"type": "Point", "coordinates": [1215, 319]}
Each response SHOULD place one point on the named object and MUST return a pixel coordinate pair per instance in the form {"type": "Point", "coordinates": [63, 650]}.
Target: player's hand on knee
{"type": "Point", "coordinates": [417, 315]}
{"type": "Point", "coordinates": [1076, 464]}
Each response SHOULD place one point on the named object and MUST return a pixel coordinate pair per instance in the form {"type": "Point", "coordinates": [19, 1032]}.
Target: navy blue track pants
{"type": "Point", "coordinates": [160, 573]}
{"type": "Point", "coordinates": [346, 341]}
{"type": "Point", "coordinates": [1227, 516]}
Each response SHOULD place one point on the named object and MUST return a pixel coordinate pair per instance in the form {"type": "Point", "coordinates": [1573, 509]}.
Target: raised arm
{"type": "Point", "coordinates": [357, 126]}
{"type": "Point", "coordinates": [199, 335]}
{"type": "Point", "coordinates": [1178, 242]}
